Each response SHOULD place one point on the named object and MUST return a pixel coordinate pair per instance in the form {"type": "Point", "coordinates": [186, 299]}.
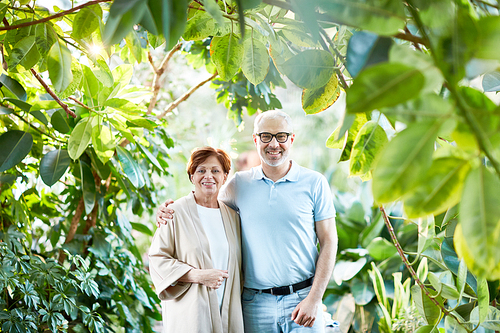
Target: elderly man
{"type": "Point", "coordinates": [285, 209]}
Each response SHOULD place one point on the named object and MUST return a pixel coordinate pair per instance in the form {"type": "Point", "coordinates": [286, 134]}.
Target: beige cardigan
{"type": "Point", "coordinates": [181, 245]}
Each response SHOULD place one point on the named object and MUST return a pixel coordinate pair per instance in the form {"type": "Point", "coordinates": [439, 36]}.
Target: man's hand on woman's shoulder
{"type": "Point", "coordinates": [164, 214]}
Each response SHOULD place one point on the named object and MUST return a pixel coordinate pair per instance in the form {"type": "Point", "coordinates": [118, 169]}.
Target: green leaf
{"type": "Point", "coordinates": [80, 138]}
{"type": "Point", "coordinates": [59, 63]}
{"type": "Point", "coordinates": [122, 105]}
{"type": "Point", "coordinates": [142, 228]}
{"type": "Point", "coordinates": [379, 16]}
{"type": "Point", "coordinates": [255, 63]}
{"type": "Point", "coordinates": [40, 117]}
{"type": "Point", "coordinates": [298, 35]}
{"type": "Point", "coordinates": [426, 232]}
{"type": "Point", "coordinates": [134, 45]}
{"type": "Point", "coordinates": [103, 141]}
{"type": "Point", "coordinates": [102, 73]}
{"type": "Point", "coordinates": [90, 84]}
{"type": "Point", "coordinates": [25, 54]}
{"type": "Point", "coordinates": [363, 292]}
{"type": "Point", "coordinates": [151, 158]}
{"type": "Point", "coordinates": [430, 311]}
{"type": "Point", "coordinates": [365, 49]}
{"type": "Point", "coordinates": [453, 263]}
{"type": "Point", "coordinates": [20, 104]}
{"type": "Point", "coordinates": [15, 146]}
{"type": "Point", "coordinates": [88, 186]}
{"type": "Point", "coordinates": [14, 87]}
{"type": "Point", "coordinates": [491, 81]}
{"type": "Point", "coordinates": [489, 37]}
{"type": "Point", "coordinates": [213, 9]}
{"type": "Point", "coordinates": [54, 165]}
{"type": "Point", "coordinates": [176, 19]}
{"type": "Point", "coordinates": [86, 22]}
{"type": "Point", "coordinates": [491, 321]}
{"type": "Point", "coordinates": [60, 120]}
{"type": "Point", "coordinates": [483, 298]}
{"type": "Point", "coordinates": [320, 99]}
{"type": "Point", "coordinates": [386, 84]}
{"type": "Point", "coordinates": [227, 55]}
{"type": "Point", "coordinates": [346, 270]}
{"type": "Point", "coordinates": [200, 26]}
{"type": "Point", "coordinates": [451, 325]}
{"type": "Point", "coordinates": [378, 285]}
{"type": "Point", "coordinates": [439, 190]}
{"type": "Point", "coordinates": [76, 70]}
{"type": "Point", "coordinates": [309, 16]}
{"type": "Point", "coordinates": [123, 15]}
{"type": "Point", "coordinates": [404, 161]}
{"type": "Point", "coordinates": [309, 69]}
{"type": "Point", "coordinates": [130, 167]}
{"type": "Point", "coordinates": [381, 249]}
{"type": "Point", "coordinates": [480, 220]}
{"type": "Point", "coordinates": [426, 329]}
{"type": "Point", "coordinates": [369, 141]}
{"type": "Point", "coordinates": [45, 38]}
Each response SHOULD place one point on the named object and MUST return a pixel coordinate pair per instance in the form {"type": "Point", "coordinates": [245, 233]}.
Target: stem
{"type": "Point", "coordinates": [81, 104]}
{"type": "Point", "coordinates": [72, 228]}
{"type": "Point", "coordinates": [181, 99]}
{"type": "Point", "coordinates": [343, 83]}
{"type": "Point", "coordinates": [51, 93]}
{"type": "Point", "coordinates": [49, 18]}
{"type": "Point", "coordinates": [410, 268]}
{"type": "Point", "coordinates": [158, 73]}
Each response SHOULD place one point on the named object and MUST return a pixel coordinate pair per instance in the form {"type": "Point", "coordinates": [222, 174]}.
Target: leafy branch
{"type": "Point", "coordinates": [410, 268]}
{"type": "Point", "coordinates": [52, 17]}
{"type": "Point", "coordinates": [52, 94]}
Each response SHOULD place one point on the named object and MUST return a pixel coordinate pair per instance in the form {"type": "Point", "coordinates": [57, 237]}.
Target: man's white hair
{"type": "Point", "coordinates": [273, 114]}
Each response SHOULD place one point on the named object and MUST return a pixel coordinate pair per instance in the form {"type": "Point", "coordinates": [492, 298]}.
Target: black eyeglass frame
{"type": "Point", "coordinates": [273, 136]}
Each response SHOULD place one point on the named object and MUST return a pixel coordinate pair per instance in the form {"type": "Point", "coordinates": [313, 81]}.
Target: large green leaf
{"type": "Point", "coordinates": [480, 220]}
{"type": "Point", "coordinates": [363, 292]}
{"type": "Point", "coordinates": [227, 55]}
{"type": "Point", "coordinates": [428, 309]}
{"type": "Point", "coordinates": [86, 21]}
{"type": "Point", "coordinates": [150, 157]}
{"type": "Point", "coordinates": [347, 140]}
{"type": "Point", "coordinates": [382, 85]}
{"type": "Point", "coordinates": [130, 167]}
{"type": "Point", "coordinates": [61, 121]}
{"type": "Point", "coordinates": [483, 298]}
{"type": "Point", "coordinates": [80, 138]}
{"type": "Point", "coordinates": [365, 49]}
{"type": "Point", "coordinates": [14, 87]}
{"type": "Point", "coordinates": [59, 64]}
{"type": "Point", "coordinates": [53, 166]}
{"type": "Point", "coordinates": [76, 70]}
{"type": "Point", "coordinates": [378, 285]}
{"type": "Point", "coordinates": [45, 38]}
{"type": "Point", "coordinates": [134, 44]}
{"type": "Point", "coordinates": [380, 16]}
{"type": "Point", "coordinates": [255, 63]}
{"type": "Point", "coordinates": [103, 73]}
{"type": "Point", "coordinates": [491, 321]}
{"type": "Point", "coordinates": [381, 249]}
{"type": "Point", "coordinates": [439, 190]}
{"type": "Point", "coordinates": [123, 14]}
{"type": "Point", "coordinates": [142, 228]}
{"type": "Point", "coordinates": [369, 141]}
{"type": "Point", "coordinates": [346, 270]}
{"type": "Point", "coordinates": [404, 161]}
{"type": "Point", "coordinates": [24, 53]}
{"type": "Point", "coordinates": [88, 186]}
{"type": "Point", "coordinates": [427, 329]}
{"type": "Point", "coordinates": [309, 69]}
{"type": "Point", "coordinates": [200, 26]}
{"type": "Point", "coordinates": [453, 263]}
{"type": "Point", "coordinates": [103, 141]}
{"type": "Point", "coordinates": [15, 146]}
{"type": "Point", "coordinates": [489, 37]}
{"type": "Point", "coordinates": [319, 99]}
{"type": "Point", "coordinates": [451, 325]}
{"type": "Point", "coordinates": [176, 19]}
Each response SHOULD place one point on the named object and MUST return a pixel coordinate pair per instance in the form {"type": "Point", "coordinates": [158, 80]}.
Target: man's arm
{"type": "Point", "coordinates": [306, 311]}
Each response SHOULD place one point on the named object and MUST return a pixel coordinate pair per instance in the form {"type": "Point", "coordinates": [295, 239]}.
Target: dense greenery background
{"type": "Point", "coordinates": [87, 93]}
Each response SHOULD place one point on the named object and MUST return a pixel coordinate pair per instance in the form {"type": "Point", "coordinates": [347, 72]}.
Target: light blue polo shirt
{"type": "Point", "coordinates": [278, 223]}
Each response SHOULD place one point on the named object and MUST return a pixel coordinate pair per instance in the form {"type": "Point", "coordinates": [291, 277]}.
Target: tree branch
{"type": "Point", "coordinates": [49, 18]}
{"type": "Point", "coordinates": [412, 38]}
{"type": "Point", "coordinates": [80, 103]}
{"type": "Point", "coordinates": [181, 99]}
{"type": "Point", "coordinates": [72, 228]}
{"type": "Point", "coordinates": [410, 268]}
{"type": "Point", "coordinates": [51, 93]}
{"type": "Point", "coordinates": [158, 73]}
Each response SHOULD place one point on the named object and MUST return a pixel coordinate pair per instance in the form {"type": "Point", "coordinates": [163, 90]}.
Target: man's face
{"type": "Point", "coordinates": [273, 153]}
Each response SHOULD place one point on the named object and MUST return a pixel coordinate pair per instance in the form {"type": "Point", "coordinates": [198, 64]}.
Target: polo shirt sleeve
{"type": "Point", "coordinates": [323, 201]}
{"type": "Point", "coordinates": [228, 194]}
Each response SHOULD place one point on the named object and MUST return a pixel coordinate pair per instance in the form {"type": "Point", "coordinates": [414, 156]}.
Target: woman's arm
{"type": "Point", "coordinates": [211, 278]}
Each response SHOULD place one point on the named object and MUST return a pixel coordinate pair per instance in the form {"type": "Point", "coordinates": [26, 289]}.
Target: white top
{"type": "Point", "coordinates": [213, 226]}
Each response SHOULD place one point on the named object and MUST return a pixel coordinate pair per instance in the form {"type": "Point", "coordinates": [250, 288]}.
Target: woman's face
{"type": "Point", "coordinates": [208, 177]}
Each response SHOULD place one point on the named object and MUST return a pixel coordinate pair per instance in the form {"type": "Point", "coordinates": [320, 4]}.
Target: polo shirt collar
{"type": "Point", "coordinates": [292, 175]}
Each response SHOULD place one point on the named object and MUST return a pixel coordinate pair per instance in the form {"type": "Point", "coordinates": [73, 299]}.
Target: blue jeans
{"type": "Point", "coordinates": [272, 314]}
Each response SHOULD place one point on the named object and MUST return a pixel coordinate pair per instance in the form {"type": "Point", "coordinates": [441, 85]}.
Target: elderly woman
{"type": "Point", "coordinates": [195, 258]}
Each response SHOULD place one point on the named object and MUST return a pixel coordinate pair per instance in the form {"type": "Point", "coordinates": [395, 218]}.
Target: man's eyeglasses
{"type": "Point", "coordinates": [266, 137]}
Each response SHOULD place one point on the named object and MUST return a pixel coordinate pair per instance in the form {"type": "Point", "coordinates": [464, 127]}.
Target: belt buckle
{"type": "Point", "coordinates": [272, 293]}
{"type": "Point", "coordinates": [291, 289]}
